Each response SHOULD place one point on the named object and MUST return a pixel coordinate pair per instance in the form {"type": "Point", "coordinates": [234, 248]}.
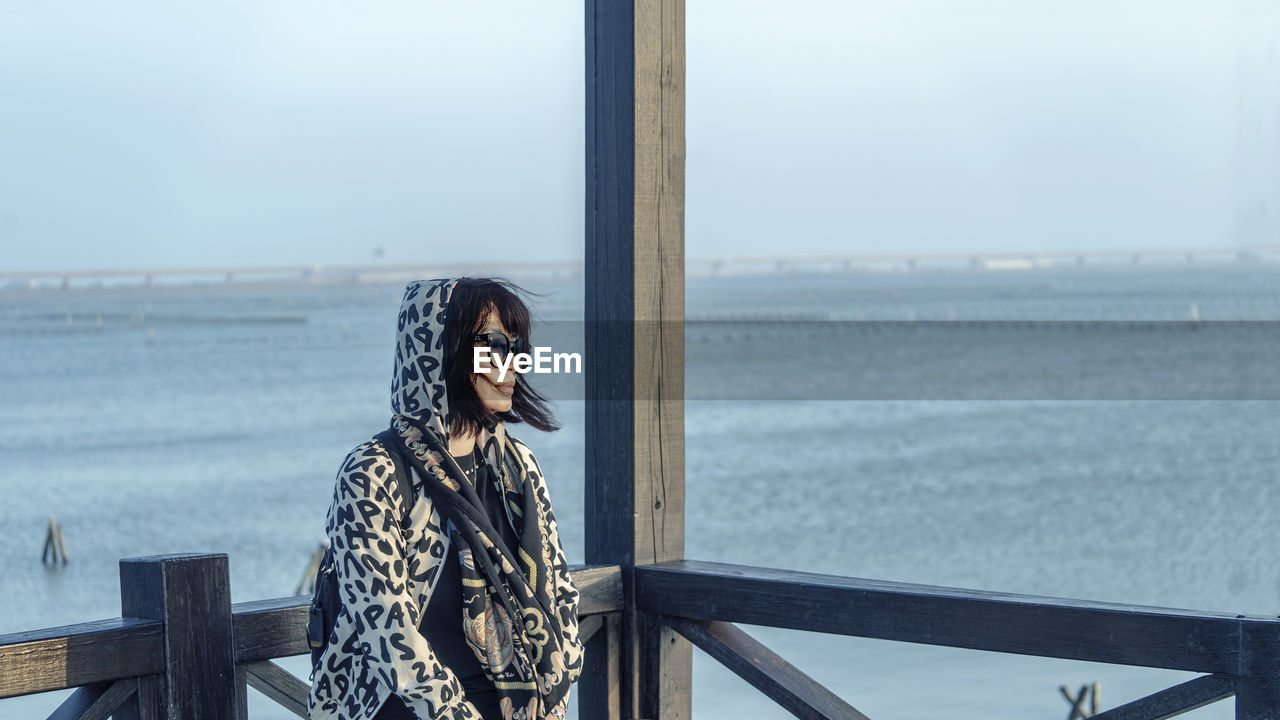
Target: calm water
{"type": "Point", "coordinates": [209, 420]}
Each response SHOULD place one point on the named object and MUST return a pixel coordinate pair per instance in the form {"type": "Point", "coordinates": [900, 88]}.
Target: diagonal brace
{"type": "Point", "coordinates": [783, 682]}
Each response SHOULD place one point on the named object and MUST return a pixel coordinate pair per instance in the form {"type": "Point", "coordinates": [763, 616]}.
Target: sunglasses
{"type": "Point", "coordinates": [499, 344]}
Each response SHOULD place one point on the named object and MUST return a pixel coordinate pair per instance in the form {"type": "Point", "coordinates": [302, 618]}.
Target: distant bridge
{"type": "Point", "coordinates": [694, 267]}
{"type": "Point", "coordinates": [979, 261]}
{"type": "Point", "coordinates": [304, 274]}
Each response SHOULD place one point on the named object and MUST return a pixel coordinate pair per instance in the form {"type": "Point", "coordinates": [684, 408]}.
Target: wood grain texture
{"type": "Point", "coordinates": [635, 282]}
{"type": "Point", "coordinates": [1000, 622]}
{"type": "Point", "coordinates": [766, 671]}
{"type": "Point", "coordinates": [95, 702]}
{"type": "Point", "coordinates": [634, 267]}
{"type": "Point", "coordinates": [191, 595]}
{"type": "Point", "coordinates": [1174, 701]}
{"type": "Point", "coordinates": [598, 686]}
{"type": "Point", "coordinates": [1258, 690]}
{"type": "Point", "coordinates": [609, 314]}
{"type": "Point", "coordinates": [282, 686]}
{"type": "Point", "coordinates": [81, 654]}
{"type": "Point", "coordinates": [1258, 698]}
{"type": "Point", "coordinates": [588, 627]}
{"type": "Point", "coordinates": [147, 702]}
{"type": "Point", "coordinates": [635, 286]}
{"type": "Point", "coordinates": [266, 629]}
{"type": "Point", "coordinates": [666, 692]}
{"type": "Point", "coordinates": [609, 271]}
{"type": "Point", "coordinates": [659, 280]}
{"type": "Point", "coordinates": [599, 589]}
{"type": "Point", "coordinates": [242, 693]}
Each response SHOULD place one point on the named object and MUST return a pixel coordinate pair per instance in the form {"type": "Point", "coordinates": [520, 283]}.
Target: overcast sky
{"type": "Point", "coordinates": [158, 134]}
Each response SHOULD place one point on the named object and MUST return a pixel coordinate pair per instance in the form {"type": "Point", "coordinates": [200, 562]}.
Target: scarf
{"type": "Point", "coordinates": [509, 617]}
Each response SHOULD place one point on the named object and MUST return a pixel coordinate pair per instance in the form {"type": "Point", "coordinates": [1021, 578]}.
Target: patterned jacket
{"type": "Point", "coordinates": [387, 574]}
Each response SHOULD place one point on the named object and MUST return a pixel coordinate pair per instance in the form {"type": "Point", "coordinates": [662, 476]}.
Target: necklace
{"type": "Point", "coordinates": [469, 470]}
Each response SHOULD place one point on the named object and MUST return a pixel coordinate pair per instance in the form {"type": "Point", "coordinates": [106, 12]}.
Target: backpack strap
{"type": "Point", "coordinates": [390, 441]}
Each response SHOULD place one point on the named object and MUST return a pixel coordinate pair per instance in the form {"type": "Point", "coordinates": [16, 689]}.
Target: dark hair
{"type": "Point", "coordinates": [469, 303]}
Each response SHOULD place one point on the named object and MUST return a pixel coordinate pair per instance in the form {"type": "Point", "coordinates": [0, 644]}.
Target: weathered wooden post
{"type": "Point", "coordinates": [191, 595]}
{"type": "Point", "coordinates": [1258, 688]}
{"type": "Point", "coordinates": [634, 366]}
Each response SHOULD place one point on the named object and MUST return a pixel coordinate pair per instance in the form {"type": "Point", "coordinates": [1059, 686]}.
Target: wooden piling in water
{"type": "Point", "coordinates": [1076, 701]}
{"type": "Point", "coordinates": [307, 583]}
{"type": "Point", "coordinates": [55, 549]}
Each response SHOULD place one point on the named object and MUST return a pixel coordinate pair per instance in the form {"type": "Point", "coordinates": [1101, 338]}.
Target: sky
{"type": "Point", "coordinates": [160, 134]}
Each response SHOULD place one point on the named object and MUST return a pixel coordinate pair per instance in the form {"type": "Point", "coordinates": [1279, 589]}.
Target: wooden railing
{"type": "Point", "coordinates": [181, 649]}
{"type": "Point", "coordinates": [1240, 654]}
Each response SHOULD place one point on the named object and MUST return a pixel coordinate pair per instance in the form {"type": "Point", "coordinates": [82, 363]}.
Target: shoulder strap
{"type": "Point", "coordinates": [399, 473]}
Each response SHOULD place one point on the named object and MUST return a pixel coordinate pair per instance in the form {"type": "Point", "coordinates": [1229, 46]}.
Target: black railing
{"type": "Point", "coordinates": [1240, 654]}
{"type": "Point", "coordinates": [181, 649]}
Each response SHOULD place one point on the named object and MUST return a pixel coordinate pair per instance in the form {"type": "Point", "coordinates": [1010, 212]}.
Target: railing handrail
{"type": "Point", "coordinates": [1136, 635]}
{"type": "Point", "coordinates": [697, 599]}
{"type": "Point", "coordinates": [68, 656]}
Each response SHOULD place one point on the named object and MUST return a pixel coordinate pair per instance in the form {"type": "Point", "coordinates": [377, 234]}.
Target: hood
{"type": "Point", "coordinates": [418, 389]}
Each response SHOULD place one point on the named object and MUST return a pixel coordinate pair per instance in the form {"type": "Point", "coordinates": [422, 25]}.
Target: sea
{"type": "Point", "coordinates": [1102, 433]}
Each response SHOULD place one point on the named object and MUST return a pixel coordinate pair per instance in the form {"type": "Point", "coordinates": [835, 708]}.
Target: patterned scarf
{"type": "Point", "coordinates": [509, 615]}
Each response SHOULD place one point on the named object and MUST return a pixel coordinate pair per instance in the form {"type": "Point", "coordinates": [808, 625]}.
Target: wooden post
{"type": "Point", "coordinates": [242, 693]}
{"type": "Point", "coordinates": [1258, 688]}
{"type": "Point", "coordinates": [1258, 699]}
{"type": "Point", "coordinates": [634, 371]}
{"type": "Point", "coordinates": [191, 595]}
{"type": "Point", "coordinates": [599, 683]}
{"type": "Point", "coordinates": [55, 549]}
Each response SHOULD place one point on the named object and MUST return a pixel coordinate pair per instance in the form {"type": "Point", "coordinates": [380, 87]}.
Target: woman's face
{"type": "Point", "coordinates": [494, 395]}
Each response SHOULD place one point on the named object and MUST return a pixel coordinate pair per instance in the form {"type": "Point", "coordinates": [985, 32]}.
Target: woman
{"type": "Point", "coordinates": [468, 610]}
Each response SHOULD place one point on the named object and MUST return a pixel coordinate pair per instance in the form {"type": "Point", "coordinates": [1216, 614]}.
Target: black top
{"type": "Point", "coordinates": [441, 622]}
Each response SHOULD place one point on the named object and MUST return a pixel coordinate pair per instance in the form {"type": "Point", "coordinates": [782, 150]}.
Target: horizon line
{"type": "Point", "coordinates": [1239, 251]}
